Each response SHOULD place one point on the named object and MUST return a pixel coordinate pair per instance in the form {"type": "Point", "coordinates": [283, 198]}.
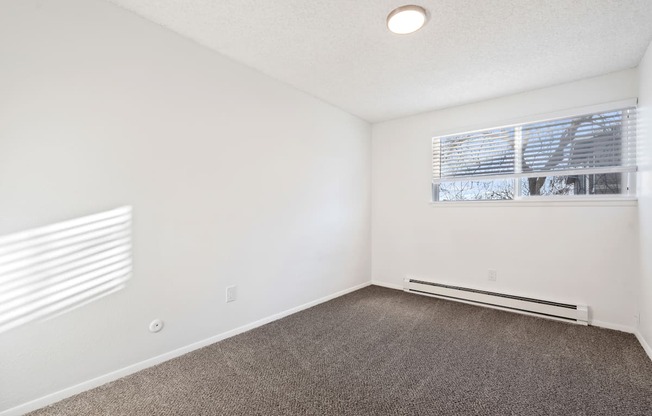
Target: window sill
{"type": "Point", "coordinates": [541, 202]}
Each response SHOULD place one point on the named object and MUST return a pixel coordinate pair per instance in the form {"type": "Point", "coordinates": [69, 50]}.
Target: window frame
{"type": "Point", "coordinates": [627, 195]}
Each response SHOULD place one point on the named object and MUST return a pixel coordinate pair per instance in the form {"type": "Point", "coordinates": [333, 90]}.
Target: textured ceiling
{"type": "Point", "coordinates": [470, 50]}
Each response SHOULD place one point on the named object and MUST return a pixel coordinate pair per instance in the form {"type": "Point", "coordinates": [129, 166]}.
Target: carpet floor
{"type": "Point", "coordinates": [379, 351]}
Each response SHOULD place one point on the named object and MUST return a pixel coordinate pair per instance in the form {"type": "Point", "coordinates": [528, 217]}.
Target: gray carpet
{"type": "Point", "coordinates": [384, 352]}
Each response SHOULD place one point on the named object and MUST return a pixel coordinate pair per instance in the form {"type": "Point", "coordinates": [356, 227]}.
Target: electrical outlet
{"type": "Point", "coordinates": [231, 293]}
{"type": "Point", "coordinates": [637, 320]}
{"type": "Point", "coordinates": [492, 275]}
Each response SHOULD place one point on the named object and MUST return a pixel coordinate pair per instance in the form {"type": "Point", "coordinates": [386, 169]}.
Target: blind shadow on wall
{"type": "Point", "coordinates": [53, 269]}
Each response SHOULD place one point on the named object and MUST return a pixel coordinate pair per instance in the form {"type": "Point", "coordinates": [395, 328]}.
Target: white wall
{"type": "Point", "coordinates": [584, 253]}
{"type": "Point", "coordinates": [234, 178]}
{"type": "Point", "coordinates": [645, 195]}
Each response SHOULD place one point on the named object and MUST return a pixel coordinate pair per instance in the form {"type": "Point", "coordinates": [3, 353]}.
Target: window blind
{"type": "Point", "coordinates": [588, 144]}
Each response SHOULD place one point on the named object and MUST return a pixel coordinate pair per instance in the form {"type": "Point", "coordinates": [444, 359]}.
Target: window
{"type": "Point", "coordinates": [588, 155]}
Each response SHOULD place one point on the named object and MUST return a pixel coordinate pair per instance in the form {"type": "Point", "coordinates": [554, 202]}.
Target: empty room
{"type": "Point", "coordinates": [346, 207]}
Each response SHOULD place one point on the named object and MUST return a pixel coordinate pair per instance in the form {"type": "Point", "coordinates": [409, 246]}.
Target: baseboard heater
{"type": "Point", "coordinates": [543, 308]}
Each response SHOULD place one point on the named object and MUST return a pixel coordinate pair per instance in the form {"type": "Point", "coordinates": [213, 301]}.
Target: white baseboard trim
{"type": "Point", "coordinates": [644, 343]}
{"type": "Point", "coordinates": [615, 327]}
{"type": "Point", "coordinates": [114, 375]}
{"type": "Point", "coordinates": [387, 285]}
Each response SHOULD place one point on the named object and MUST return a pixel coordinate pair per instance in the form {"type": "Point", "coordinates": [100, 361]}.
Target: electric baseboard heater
{"type": "Point", "coordinates": [578, 314]}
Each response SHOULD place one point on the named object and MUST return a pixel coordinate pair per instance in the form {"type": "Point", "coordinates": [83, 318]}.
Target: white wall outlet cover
{"type": "Point", "coordinates": [231, 293]}
{"type": "Point", "coordinates": [156, 325]}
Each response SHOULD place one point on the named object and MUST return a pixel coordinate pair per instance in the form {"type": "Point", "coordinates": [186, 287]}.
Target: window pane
{"type": "Point", "coordinates": [606, 184]}
{"type": "Point", "coordinates": [490, 152]}
{"type": "Point", "coordinates": [598, 184]}
{"type": "Point", "coordinates": [590, 141]}
{"type": "Point", "coordinates": [565, 153]}
{"type": "Point", "coordinates": [475, 190]}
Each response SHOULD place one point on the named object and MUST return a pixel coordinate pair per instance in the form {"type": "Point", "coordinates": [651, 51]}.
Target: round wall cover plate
{"type": "Point", "coordinates": [156, 325]}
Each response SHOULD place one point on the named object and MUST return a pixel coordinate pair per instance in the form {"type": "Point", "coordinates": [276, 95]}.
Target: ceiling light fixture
{"type": "Point", "coordinates": [406, 19]}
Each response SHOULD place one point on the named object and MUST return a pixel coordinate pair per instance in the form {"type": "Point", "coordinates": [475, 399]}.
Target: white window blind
{"type": "Point", "coordinates": [594, 143]}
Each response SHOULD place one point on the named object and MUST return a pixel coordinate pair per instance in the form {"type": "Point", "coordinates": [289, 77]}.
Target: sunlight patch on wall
{"type": "Point", "coordinates": [53, 269]}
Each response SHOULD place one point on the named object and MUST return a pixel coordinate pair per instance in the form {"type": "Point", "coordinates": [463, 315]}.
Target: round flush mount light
{"type": "Point", "coordinates": [406, 19]}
